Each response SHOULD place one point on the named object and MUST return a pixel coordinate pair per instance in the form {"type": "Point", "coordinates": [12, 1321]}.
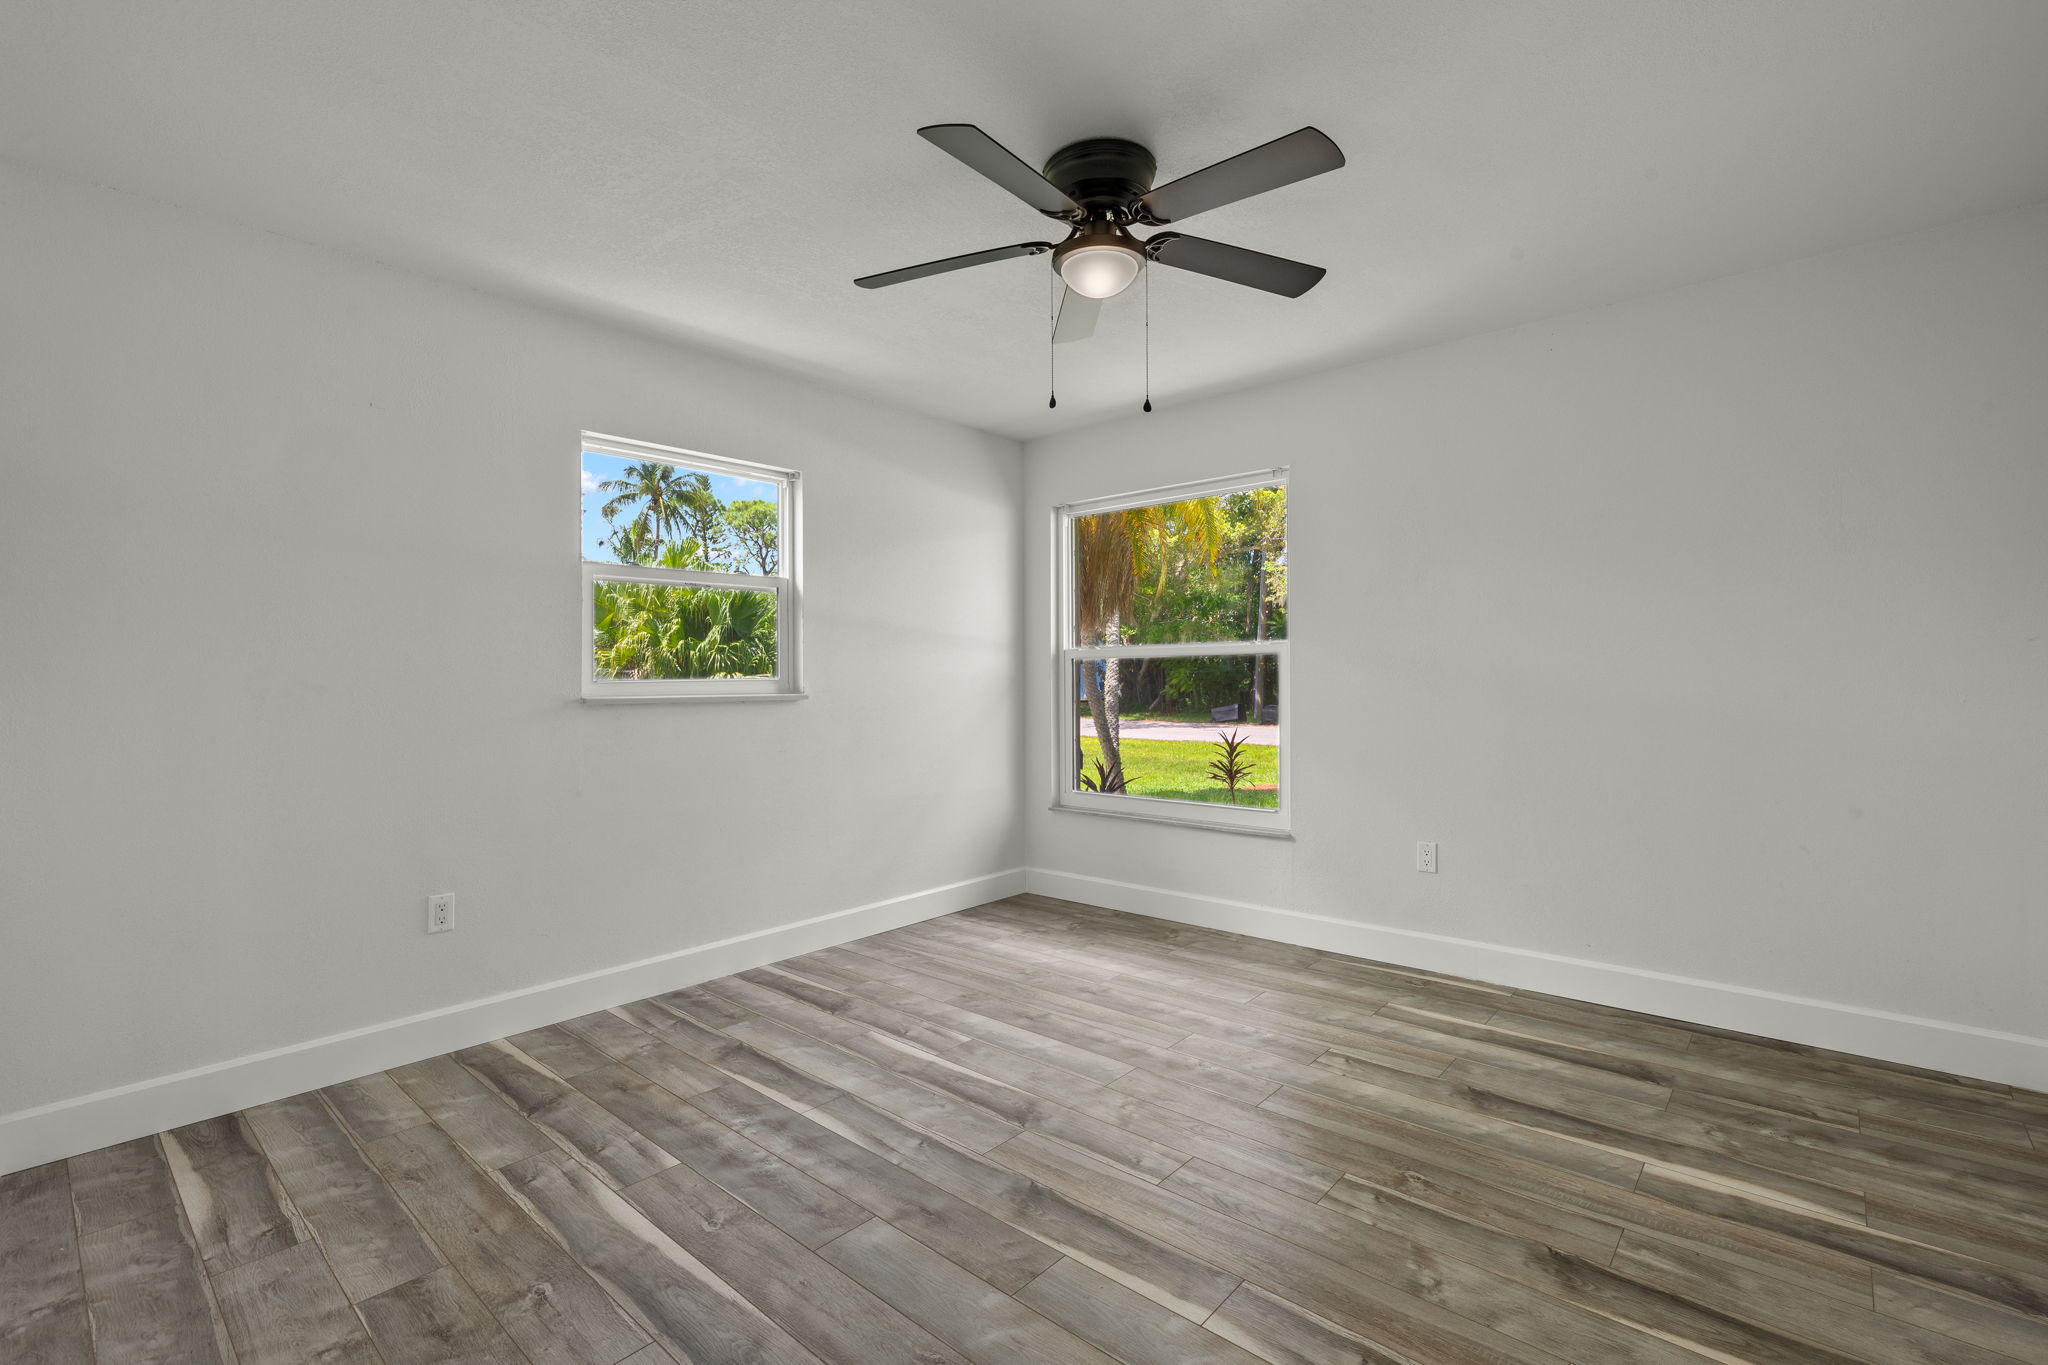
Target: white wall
{"type": "Point", "coordinates": [1708, 634]}
{"type": "Point", "coordinates": [288, 639]}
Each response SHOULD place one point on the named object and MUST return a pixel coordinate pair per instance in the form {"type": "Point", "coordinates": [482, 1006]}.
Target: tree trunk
{"type": "Point", "coordinates": [1104, 695]}
{"type": "Point", "coordinates": [1259, 660]}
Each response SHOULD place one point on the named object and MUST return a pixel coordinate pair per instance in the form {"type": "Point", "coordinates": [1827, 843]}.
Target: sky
{"type": "Point", "coordinates": [598, 468]}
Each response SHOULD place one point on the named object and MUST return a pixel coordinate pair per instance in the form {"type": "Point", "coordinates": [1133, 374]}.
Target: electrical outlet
{"type": "Point", "coordinates": [440, 912]}
{"type": "Point", "coordinates": [1425, 857]}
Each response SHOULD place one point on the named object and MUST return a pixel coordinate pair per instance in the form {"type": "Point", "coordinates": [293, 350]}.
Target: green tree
{"type": "Point", "coordinates": [1258, 532]}
{"type": "Point", "coordinates": [754, 523]}
{"type": "Point", "coordinates": [702, 517]}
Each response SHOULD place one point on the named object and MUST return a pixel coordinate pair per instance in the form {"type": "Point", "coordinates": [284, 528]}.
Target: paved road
{"type": "Point", "coordinates": [1204, 732]}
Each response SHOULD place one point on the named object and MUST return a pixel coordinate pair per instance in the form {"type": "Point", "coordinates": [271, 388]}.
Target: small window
{"type": "Point", "coordinates": [1173, 676]}
{"type": "Point", "coordinates": [689, 574]}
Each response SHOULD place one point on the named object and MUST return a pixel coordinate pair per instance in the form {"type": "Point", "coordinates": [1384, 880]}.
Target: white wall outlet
{"type": "Point", "coordinates": [1425, 857]}
{"type": "Point", "coordinates": [440, 912]}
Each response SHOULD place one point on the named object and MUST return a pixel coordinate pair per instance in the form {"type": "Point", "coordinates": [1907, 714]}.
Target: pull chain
{"type": "Point", "coordinates": [1148, 339]}
{"type": "Point", "coordinates": [1052, 321]}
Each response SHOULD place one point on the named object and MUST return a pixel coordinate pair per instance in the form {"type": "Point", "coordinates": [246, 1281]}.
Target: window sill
{"type": "Point", "coordinates": [697, 697]}
{"type": "Point", "coordinates": [1182, 821]}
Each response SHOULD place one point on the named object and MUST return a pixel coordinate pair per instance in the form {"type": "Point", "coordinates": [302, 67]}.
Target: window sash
{"type": "Point", "coordinates": [785, 481]}
{"type": "Point", "coordinates": [1067, 796]}
{"type": "Point", "coordinates": [1066, 630]}
{"type": "Point", "coordinates": [787, 680]}
{"type": "Point", "coordinates": [606, 571]}
{"type": "Point", "coordinates": [1179, 650]}
{"type": "Point", "coordinates": [783, 682]}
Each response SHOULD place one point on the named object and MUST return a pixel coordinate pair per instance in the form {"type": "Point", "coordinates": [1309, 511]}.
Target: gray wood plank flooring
{"type": "Point", "coordinates": [1039, 1131]}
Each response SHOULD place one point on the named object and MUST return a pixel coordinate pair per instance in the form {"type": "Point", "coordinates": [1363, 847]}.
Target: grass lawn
{"type": "Point", "coordinates": [1179, 770]}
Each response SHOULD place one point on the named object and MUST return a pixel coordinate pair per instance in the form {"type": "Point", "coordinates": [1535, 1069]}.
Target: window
{"type": "Point", "coordinates": [1172, 676]}
{"type": "Point", "coordinates": [689, 575]}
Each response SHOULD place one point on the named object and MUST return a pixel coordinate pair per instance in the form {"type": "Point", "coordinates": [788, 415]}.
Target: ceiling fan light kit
{"type": "Point", "coordinates": [1100, 260]}
{"type": "Point", "coordinates": [1100, 187]}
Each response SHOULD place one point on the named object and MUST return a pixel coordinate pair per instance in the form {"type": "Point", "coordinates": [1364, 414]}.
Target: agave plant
{"type": "Point", "coordinates": [1105, 779]}
{"type": "Point", "coordinates": [1231, 767]}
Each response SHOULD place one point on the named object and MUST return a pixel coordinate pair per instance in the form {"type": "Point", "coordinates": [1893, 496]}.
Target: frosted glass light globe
{"type": "Point", "coordinates": [1097, 272]}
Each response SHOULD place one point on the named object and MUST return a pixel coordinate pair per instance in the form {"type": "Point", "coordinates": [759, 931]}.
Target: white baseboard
{"type": "Point", "coordinates": [89, 1122]}
{"type": "Point", "coordinates": [1963, 1049]}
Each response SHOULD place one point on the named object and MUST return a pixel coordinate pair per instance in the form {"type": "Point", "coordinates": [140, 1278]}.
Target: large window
{"type": "Point", "coordinates": [689, 575]}
{"type": "Point", "coordinates": [1172, 676]}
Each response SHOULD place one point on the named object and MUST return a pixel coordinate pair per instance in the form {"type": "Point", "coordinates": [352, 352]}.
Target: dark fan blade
{"type": "Point", "coordinates": [918, 272]}
{"type": "Point", "coordinates": [1274, 274]}
{"type": "Point", "coordinates": [983, 153]}
{"type": "Point", "coordinates": [1284, 160]}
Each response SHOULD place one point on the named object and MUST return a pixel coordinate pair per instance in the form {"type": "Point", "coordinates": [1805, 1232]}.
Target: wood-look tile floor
{"type": "Point", "coordinates": [1041, 1132]}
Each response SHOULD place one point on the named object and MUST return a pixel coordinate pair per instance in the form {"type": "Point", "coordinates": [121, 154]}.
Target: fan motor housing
{"type": "Point", "coordinates": [1102, 173]}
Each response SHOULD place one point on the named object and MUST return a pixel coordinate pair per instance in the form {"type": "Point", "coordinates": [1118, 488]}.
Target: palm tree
{"type": "Point", "coordinates": [634, 543]}
{"type": "Point", "coordinates": [1113, 551]}
{"type": "Point", "coordinates": [662, 630]}
{"type": "Point", "coordinates": [660, 493]}
{"type": "Point", "coordinates": [732, 633]}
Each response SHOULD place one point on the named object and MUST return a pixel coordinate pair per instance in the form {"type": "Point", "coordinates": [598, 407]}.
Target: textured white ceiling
{"type": "Point", "coordinates": [721, 171]}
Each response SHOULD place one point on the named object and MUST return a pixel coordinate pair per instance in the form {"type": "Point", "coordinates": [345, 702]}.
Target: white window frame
{"type": "Point", "coordinates": [787, 683]}
{"type": "Point", "coordinates": [1067, 652]}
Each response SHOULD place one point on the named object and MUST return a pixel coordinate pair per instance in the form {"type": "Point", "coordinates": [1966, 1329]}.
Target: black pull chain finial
{"type": "Point", "coordinates": [1052, 321]}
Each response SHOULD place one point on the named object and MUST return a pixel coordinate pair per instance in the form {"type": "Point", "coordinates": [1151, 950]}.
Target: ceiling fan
{"type": "Point", "coordinates": [1101, 186]}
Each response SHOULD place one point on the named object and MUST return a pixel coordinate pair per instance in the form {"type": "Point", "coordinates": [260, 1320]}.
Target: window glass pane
{"type": "Point", "coordinates": [645, 631]}
{"type": "Point", "coordinates": [1169, 720]}
{"type": "Point", "coordinates": [651, 512]}
{"type": "Point", "coordinates": [1183, 572]}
